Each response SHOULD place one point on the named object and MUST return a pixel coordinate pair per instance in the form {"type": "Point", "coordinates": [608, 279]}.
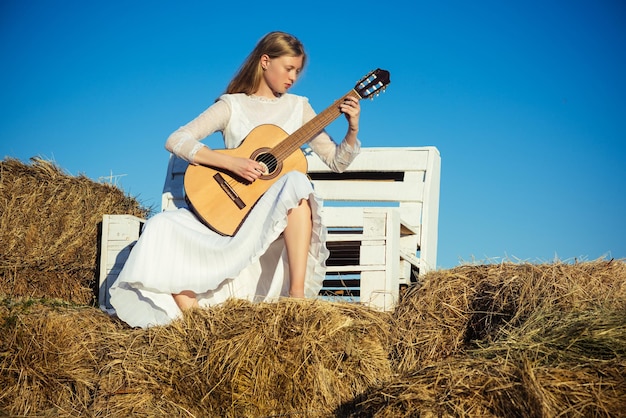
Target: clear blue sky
{"type": "Point", "coordinates": [526, 101]}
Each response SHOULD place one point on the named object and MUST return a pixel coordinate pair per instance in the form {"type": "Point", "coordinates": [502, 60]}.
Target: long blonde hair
{"type": "Point", "coordinates": [274, 44]}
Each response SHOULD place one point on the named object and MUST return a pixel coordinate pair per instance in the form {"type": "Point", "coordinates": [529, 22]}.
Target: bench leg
{"type": "Point", "coordinates": [380, 257]}
{"type": "Point", "coordinates": [119, 235]}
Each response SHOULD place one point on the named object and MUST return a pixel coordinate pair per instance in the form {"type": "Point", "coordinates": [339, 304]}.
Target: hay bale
{"type": "Point", "coordinates": [556, 364]}
{"type": "Point", "coordinates": [49, 229]}
{"type": "Point", "coordinates": [561, 353]}
{"type": "Point", "coordinates": [239, 359]}
{"type": "Point", "coordinates": [450, 388]}
{"type": "Point", "coordinates": [291, 357]}
{"type": "Point", "coordinates": [570, 362]}
{"type": "Point", "coordinates": [452, 309]}
{"type": "Point", "coordinates": [50, 361]}
{"type": "Point", "coordinates": [56, 361]}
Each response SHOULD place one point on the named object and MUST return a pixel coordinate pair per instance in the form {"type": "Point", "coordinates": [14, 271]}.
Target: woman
{"type": "Point", "coordinates": [179, 263]}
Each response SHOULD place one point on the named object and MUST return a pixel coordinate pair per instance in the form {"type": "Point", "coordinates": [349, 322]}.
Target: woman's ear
{"type": "Point", "coordinates": [265, 60]}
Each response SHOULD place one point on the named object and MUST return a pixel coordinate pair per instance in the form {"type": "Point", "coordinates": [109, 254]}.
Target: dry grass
{"type": "Point", "coordinates": [564, 356]}
{"type": "Point", "coordinates": [558, 363]}
{"type": "Point", "coordinates": [49, 229]}
{"type": "Point", "coordinates": [454, 307]}
{"type": "Point", "coordinates": [520, 340]}
{"type": "Point", "coordinates": [238, 359]}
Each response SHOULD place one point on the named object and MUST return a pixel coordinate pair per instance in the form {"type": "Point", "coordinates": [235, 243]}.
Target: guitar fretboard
{"type": "Point", "coordinates": [307, 131]}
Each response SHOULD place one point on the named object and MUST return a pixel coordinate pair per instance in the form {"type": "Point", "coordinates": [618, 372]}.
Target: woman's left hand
{"type": "Point", "coordinates": [351, 107]}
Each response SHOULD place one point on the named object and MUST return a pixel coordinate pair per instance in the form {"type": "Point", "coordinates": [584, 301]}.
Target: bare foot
{"type": "Point", "coordinates": [186, 300]}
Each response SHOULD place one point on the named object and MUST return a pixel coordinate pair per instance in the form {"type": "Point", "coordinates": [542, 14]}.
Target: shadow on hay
{"type": "Point", "coordinates": [557, 363]}
{"type": "Point", "coordinates": [454, 310]}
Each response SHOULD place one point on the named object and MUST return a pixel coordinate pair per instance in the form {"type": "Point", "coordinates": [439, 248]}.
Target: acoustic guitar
{"type": "Point", "coordinates": [222, 200]}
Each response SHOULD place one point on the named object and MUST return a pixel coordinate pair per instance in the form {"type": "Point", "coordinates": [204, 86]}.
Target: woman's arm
{"type": "Point", "coordinates": [352, 109]}
{"type": "Point", "coordinates": [185, 143]}
{"type": "Point", "coordinates": [337, 157]}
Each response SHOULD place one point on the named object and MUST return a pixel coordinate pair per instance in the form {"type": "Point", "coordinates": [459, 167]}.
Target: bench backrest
{"type": "Point", "coordinates": [406, 178]}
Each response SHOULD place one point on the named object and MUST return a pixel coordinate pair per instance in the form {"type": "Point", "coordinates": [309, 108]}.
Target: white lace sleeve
{"type": "Point", "coordinates": [185, 141]}
{"type": "Point", "coordinates": [337, 157]}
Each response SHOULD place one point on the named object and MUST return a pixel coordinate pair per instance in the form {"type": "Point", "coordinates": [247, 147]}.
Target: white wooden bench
{"type": "Point", "coordinates": [381, 215]}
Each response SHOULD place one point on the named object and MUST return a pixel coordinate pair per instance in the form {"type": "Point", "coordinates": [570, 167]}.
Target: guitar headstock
{"type": "Point", "coordinates": [373, 83]}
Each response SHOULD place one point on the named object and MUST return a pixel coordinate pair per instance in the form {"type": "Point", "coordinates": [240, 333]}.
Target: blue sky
{"type": "Point", "coordinates": [525, 101]}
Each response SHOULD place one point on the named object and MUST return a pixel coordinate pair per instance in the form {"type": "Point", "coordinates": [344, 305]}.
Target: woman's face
{"type": "Point", "coordinates": [280, 73]}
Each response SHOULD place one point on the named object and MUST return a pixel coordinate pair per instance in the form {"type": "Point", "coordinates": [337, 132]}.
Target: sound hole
{"type": "Point", "coordinates": [268, 161]}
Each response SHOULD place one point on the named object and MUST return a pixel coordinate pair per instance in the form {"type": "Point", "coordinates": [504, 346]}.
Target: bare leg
{"type": "Point", "coordinates": [297, 237]}
{"type": "Point", "coordinates": [186, 300]}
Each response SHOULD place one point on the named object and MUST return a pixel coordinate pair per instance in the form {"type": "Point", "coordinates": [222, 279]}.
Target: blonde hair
{"type": "Point", "coordinates": [274, 44]}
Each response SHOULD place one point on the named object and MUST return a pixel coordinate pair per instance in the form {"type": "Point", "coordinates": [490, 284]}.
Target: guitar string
{"type": "Point", "coordinates": [283, 150]}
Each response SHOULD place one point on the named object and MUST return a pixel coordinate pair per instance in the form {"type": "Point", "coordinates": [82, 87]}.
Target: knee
{"type": "Point", "coordinates": [301, 213]}
{"type": "Point", "coordinates": [298, 181]}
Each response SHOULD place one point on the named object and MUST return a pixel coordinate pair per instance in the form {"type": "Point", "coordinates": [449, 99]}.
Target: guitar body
{"type": "Point", "coordinates": [223, 201]}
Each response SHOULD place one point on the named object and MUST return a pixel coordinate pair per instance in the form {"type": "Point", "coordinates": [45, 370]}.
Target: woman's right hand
{"type": "Point", "coordinates": [246, 168]}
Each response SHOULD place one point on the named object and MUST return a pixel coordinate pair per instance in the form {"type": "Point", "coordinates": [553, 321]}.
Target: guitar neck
{"type": "Point", "coordinates": [307, 131]}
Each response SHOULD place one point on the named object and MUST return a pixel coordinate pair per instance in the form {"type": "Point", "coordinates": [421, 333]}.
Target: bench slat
{"type": "Point", "coordinates": [381, 159]}
{"type": "Point", "coordinates": [369, 191]}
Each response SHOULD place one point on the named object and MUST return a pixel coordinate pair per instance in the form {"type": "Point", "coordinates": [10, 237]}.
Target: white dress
{"type": "Point", "coordinates": [176, 252]}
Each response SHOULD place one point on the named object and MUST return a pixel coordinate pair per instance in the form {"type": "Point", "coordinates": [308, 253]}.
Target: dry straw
{"type": "Point", "coordinates": [558, 363]}
{"type": "Point", "coordinates": [454, 307]}
{"type": "Point", "coordinates": [520, 340]}
{"type": "Point", "coordinates": [238, 359]}
{"type": "Point", "coordinates": [49, 229]}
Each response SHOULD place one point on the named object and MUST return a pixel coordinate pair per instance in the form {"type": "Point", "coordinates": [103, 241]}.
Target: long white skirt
{"type": "Point", "coordinates": [176, 252]}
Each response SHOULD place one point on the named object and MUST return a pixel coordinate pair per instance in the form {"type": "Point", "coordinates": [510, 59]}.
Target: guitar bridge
{"type": "Point", "coordinates": [229, 191]}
